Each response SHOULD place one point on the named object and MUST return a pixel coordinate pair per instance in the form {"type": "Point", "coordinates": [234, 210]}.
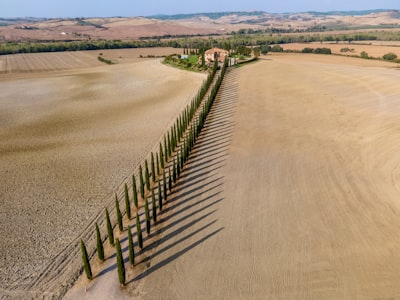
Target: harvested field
{"type": "Point", "coordinates": [374, 50]}
{"type": "Point", "coordinates": [68, 140]}
{"type": "Point", "coordinates": [293, 191]}
{"type": "Point", "coordinates": [56, 61]}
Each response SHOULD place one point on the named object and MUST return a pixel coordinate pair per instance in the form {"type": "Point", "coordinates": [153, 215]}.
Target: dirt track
{"type": "Point", "coordinates": [294, 190]}
{"type": "Point", "coordinates": [67, 142]}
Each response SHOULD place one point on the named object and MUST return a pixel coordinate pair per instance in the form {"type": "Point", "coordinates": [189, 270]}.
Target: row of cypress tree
{"type": "Point", "coordinates": [165, 169]}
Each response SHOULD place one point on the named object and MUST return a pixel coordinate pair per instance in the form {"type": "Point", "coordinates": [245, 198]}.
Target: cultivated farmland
{"type": "Point", "coordinates": [68, 139]}
{"type": "Point", "coordinates": [293, 190]}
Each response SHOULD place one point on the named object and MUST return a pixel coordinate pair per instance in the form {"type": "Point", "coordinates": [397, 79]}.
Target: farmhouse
{"type": "Point", "coordinates": [216, 53]}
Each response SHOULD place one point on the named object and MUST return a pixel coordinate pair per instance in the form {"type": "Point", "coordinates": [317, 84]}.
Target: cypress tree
{"type": "Point", "coordinates": [135, 199]}
{"type": "Point", "coordinates": [166, 149]}
{"type": "Point", "coordinates": [100, 248]}
{"type": "Point", "coordinates": [154, 206]}
{"type": "Point", "coordinates": [159, 196]}
{"type": "Point", "coordinates": [165, 186]}
{"type": "Point", "coordinates": [139, 231]}
{"type": "Point", "coordinates": [157, 165]}
{"type": "Point", "coordinates": [119, 214]}
{"type": "Point", "coordinates": [162, 159]}
{"type": "Point", "coordinates": [178, 166]}
{"type": "Point", "coordinates": [147, 175]}
{"type": "Point", "coordinates": [153, 169]}
{"type": "Point", "coordinates": [110, 231]}
{"type": "Point", "coordinates": [127, 203]}
{"type": "Point", "coordinates": [120, 263]}
{"type": "Point", "coordinates": [131, 249]}
{"type": "Point", "coordinates": [173, 171]}
{"type": "Point", "coordinates": [169, 180]}
{"type": "Point", "coordinates": [147, 213]}
{"type": "Point", "coordinates": [141, 182]}
{"type": "Point", "coordinates": [169, 144]}
{"type": "Point", "coordinates": [86, 262]}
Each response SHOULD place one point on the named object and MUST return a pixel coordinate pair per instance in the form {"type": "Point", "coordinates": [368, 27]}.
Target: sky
{"type": "Point", "coordinates": [131, 8]}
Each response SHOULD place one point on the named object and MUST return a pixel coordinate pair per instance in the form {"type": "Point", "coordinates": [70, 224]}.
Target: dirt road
{"type": "Point", "coordinates": [293, 192]}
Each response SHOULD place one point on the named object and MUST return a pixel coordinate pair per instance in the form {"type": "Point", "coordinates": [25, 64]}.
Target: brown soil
{"type": "Point", "coordinates": [68, 140]}
{"type": "Point", "coordinates": [292, 192]}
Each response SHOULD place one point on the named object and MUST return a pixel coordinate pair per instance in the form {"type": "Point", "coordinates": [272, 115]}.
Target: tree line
{"type": "Point", "coordinates": [154, 182]}
{"type": "Point", "coordinates": [229, 42]}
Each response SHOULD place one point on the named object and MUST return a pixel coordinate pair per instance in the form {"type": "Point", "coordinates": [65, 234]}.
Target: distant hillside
{"type": "Point", "coordinates": [348, 13]}
{"type": "Point", "coordinates": [214, 15]}
{"type": "Point", "coordinates": [218, 15]}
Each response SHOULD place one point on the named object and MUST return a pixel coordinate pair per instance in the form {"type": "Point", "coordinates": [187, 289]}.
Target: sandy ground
{"type": "Point", "coordinates": [292, 192]}
{"type": "Point", "coordinates": [67, 142]}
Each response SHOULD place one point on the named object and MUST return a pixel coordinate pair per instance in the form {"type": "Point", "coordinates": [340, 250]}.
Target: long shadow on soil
{"type": "Point", "coordinates": [189, 217]}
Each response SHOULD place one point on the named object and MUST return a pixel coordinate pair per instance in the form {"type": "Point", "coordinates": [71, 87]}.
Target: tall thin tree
{"type": "Point", "coordinates": [139, 231]}
{"type": "Point", "coordinates": [86, 262]}
{"type": "Point", "coordinates": [135, 196]}
{"type": "Point", "coordinates": [141, 182]}
{"type": "Point", "coordinates": [131, 248]}
{"type": "Point", "coordinates": [120, 263]}
{"type": "Point", "coordinates": [119, 214]}
{"type": "Point", "coordinates": [110, 231]}
{"type": "Point", "coordinates": [153, 168]}
{"type": "Point", "coordinates": [154, 205]}
{"type": "Point", "coordinates": [99, 244]}
{"type": "Point", "coordinates": [127, 203]}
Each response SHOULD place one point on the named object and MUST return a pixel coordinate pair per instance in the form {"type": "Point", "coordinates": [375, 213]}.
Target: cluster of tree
{"type": "Point", "coordinates": [159, 178]}
{"type": "Point", "coordinates": [317, 50]}
{"type": "Point", "coordinates": [229, 42]}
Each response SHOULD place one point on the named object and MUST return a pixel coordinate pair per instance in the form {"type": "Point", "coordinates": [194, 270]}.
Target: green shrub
{"type": "Point", "coordinates": [141, 182]}
{"type": "Point", "coordinates": [364, 55]}
{"type": "Point", "coordinates": [390, 56]}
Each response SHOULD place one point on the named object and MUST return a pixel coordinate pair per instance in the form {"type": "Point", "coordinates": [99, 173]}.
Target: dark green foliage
{"type": "Point", "coordinates": [157, 165]}
{"type": "Point", "coordinates": [154, 206]}
{"type": "Point", "coordinates": [141, 182]}
{"type": "Point", "coordinates": [147, 213]}
{"type": "Point", "coordinates": [86, 262]}
{"type": "Point", "coordinates": [390, 56]}
{"type": "Point", "coordinates": [139, 232]}
{"type": "Point", "coordinates": [169, 179]}
{"type": "Point", "coordinates": [120, 263]}
{"type": "Point", "coordinates": [159, 196]}
{"type": "Point", "coordinates": [166, 149]}
{"type": "Point", "coordinates": [322, 51]}
{"type": "Point", "coordinates": [119, 214]}
{"type": "Point", "coordinates": [131, 248]}
{"type": "Point", "coordinates": [173, 171]}
{"type": "Point", "coordinates": [99, 243]}
{"type": "Point", "coordinates": [165, 186]}
{"type": "Point", "coordinates": [162, 159]}
{"type": "Point", "coordinates": [153, 168]}
{"type": "Point", "coordinates": [147, 175]}
{"type": "Point", "coordinates": [169, 144]}
{"type": "Point", "coordinates": [135, 196]}
{"type": "Point", "coordinates": [127, 203]}
{"type": "Point", "coordinates": [110, 231]}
